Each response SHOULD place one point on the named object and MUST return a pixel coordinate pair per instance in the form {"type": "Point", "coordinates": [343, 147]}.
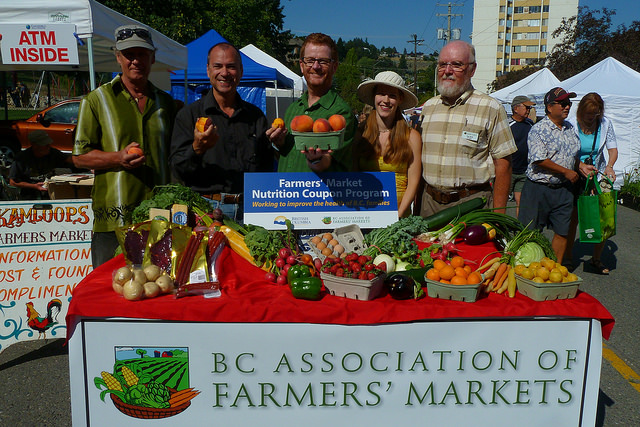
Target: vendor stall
{"type": "Point", "coordinates": [257, 353]}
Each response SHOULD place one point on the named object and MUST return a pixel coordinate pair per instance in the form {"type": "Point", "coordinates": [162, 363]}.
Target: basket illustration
{"type": "Point", "coordinates": [148, 413]}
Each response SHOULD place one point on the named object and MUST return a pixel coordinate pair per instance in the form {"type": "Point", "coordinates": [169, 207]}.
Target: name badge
{"type": "Point", "coordinates": [471, 136]}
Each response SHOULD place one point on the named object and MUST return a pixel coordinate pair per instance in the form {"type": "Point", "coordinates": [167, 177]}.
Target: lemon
{"type": "Point", "coordinates": [542, 273]}
{"type": "Point", "coordinates": [555, 276]}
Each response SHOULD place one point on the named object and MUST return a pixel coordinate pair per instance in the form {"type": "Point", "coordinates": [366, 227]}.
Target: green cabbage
{"type": "Point", "coordinates": [528, 253]}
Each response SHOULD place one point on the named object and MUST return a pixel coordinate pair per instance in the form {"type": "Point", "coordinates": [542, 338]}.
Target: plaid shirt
{"type": "Point", "coordinates": [460, 141]}
{"type": "Point", "coordinates": [548, 141]}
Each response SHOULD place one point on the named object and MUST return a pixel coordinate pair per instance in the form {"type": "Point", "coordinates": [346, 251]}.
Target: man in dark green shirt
{"type": "Point", "coordinates": [318, 63]}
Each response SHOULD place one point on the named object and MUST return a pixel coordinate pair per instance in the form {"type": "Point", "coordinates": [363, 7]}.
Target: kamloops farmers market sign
{"type": "Point", "coordinates": [30, 44]}
{"type": "Point", "coordinates": [45, 250]}
{"type": "Point", "coordinates": [532, 372]}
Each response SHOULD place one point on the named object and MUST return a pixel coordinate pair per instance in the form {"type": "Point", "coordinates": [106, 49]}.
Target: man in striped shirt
{"type": "Point", "coordinates": [466, 140]}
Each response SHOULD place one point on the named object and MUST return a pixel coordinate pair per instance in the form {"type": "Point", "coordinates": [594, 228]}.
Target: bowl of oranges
{"type": "Point", "coordinates": [454, 280]}
{"type": "Point", "coordinates": [546, 280]}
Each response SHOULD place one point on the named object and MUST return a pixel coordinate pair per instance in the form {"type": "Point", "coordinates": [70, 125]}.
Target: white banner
{"type": "Point", "coordinates": [28, 44]}
{"type": "Point", "coordinates": [45, 251]}
{"type": "Point", "coordinates": [481, 373]}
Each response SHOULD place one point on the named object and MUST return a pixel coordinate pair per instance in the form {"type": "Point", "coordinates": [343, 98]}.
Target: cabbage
{"type": "Point", "coordinates": [528, 253]}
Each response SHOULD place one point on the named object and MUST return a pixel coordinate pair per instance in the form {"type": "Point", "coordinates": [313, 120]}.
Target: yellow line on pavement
{"type": "Point", "coordinates": [619, 365]}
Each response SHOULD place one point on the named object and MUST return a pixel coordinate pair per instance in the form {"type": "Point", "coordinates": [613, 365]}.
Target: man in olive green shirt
{"type": "Point", "coordinates": [318, 63]}
{"type": "Point", "coordinates": [123, 134]}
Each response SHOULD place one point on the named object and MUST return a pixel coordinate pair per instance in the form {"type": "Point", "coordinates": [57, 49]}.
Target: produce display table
{"type": "Point", "coordinates": [244, 344]}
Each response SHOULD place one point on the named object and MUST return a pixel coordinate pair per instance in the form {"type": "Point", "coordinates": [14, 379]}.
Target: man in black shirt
{"type": "Point", "coordinates": [213, 162]}
{"type": "Point", "coordinates": [520, 127]}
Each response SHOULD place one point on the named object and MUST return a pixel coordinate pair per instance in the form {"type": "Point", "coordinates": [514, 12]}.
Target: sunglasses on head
{"type": "Point", "coordinates": [127, 33]}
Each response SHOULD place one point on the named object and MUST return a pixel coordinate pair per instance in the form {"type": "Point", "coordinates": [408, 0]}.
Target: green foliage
{"type": "Point", "coordinates": [631, 183]}
{"type": "Point", "coordinates": [241, 22]}
{"type": "Point", "coordinates": [164, 196]}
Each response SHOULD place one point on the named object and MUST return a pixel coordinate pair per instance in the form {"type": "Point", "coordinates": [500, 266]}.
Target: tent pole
{"type": "Point", "coordinates": [92, 77]}
{"type": "Point", "coordinates": [186, 90]}
{"type": "Point", "coordinates": [275, 84]}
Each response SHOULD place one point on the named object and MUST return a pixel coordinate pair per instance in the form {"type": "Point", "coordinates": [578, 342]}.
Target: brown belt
{"type": "Point", "coordinates": [228, 199]}
{"type": "Point", "coordinates": [444, 197]}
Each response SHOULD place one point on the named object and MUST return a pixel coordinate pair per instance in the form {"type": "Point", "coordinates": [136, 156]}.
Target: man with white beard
{"type": "Point", "coordinates": [466, 140]}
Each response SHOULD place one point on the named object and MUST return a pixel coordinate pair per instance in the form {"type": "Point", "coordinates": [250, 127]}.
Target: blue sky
{"type": "Point", "coordinates": [391, 23]}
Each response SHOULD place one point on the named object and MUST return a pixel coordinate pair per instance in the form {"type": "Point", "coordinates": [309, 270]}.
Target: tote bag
{"type": "Point", "coordinates": [597, 212]}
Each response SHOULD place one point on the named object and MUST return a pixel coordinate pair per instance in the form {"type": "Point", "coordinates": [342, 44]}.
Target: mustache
{"type": "Point", "coordinates": [447, 77]}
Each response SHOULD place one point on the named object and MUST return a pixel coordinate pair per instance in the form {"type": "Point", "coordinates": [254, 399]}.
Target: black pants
{"type": "Point", "coordinates": [103, 247]}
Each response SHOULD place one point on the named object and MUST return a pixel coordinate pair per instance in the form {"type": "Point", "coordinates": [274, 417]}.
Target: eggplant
{"type": "Point", "coordinates": [475, 235]}
{"type": "Point", "coordinates": [400, 286]}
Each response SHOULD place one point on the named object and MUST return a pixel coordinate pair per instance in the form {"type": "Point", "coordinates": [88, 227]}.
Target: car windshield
{"type": "Point", "coordinates": [66, 113]}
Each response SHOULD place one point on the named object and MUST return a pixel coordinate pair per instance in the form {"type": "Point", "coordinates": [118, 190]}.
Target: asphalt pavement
{"type": "Point", "coordinates": [34, 375]}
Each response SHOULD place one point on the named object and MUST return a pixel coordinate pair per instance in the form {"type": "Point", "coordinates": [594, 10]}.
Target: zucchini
{"type": "Point", "coordinates": [445, 216]}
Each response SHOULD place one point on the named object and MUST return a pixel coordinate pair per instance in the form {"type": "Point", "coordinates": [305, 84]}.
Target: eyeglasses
{"type": "Point", "coordinates": [564, 104]}
{"type": "Point", "coordinates": [310, 60]}
{"type": "Point", "coordinates": [528, 107]}
{"type": "Point", "coordinates": [455, 65]}
{"type": "Point", "coordinates": [127, 33]}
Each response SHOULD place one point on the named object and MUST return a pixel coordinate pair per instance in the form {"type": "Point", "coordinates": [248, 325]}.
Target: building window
{"type": "Point", "coordinates": [545, 22]}
{"type": "Point", "coordinates": [501, 9]}
{"type": "Point", "coordinates": [543, 35]}
{"type": "Point", "coordinates": [543, 48]}
{"type": "Point", "coordinates": [500, 48]}
{"type": "Point", "coordinates": [509, 36]}
{"type": "Point", "coordinates": [501, 22]}
{"type": "Point", "coordinates": [499, 36]}
{"type": "Point", "coordinates": [533, 22]}
{"type": "Point", "coordinates": [515, 61]}
{"type": "Point", "coordinates": [532, 48]}
{"type": "Point", "coordinates": [499, 61]}
{"type": "Point", "coordinates": [545, 8]}
{"type": "Point", "coordinates": [517, 48]}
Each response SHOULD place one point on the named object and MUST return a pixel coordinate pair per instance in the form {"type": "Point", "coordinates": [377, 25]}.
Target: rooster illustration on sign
{"type": "Point", "coordinates": [42, 324]}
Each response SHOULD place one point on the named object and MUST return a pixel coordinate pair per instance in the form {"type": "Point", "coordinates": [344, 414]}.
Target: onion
{"type": "Point", "coordinates": [391, 265]}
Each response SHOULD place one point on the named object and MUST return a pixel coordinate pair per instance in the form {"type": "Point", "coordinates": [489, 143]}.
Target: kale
{"type": "Point", "coordinates": [164, 196]}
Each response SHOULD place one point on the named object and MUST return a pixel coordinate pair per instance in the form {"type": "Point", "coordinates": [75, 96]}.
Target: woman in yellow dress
{"type": "Point", "coordinates": [384, 141]}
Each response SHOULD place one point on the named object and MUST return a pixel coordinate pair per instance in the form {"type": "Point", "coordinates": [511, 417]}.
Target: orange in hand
{"type": "Point", "coordinates": [203, 123]}
{"type": "Point", "coordinates": [135, 150]}
{"type": "Point", "coordinates": [278, 123]}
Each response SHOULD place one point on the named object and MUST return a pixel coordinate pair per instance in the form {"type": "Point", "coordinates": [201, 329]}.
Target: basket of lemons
{"type": "Point", "coordinates": [546, 280]}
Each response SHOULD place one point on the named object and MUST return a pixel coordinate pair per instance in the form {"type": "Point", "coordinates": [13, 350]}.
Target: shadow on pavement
{"type": "Point", "coordinates": [54, 348]}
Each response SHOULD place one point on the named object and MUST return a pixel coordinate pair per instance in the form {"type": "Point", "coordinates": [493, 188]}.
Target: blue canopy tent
{"type": "Point", "coordinates": [189, 85]}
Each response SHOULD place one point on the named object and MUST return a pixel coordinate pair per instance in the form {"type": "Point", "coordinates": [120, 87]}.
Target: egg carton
{"type": "Point", "coordinates": [342, 240]}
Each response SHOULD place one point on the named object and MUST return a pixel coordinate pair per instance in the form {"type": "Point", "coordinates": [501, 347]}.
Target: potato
{"type": "Point", "coordinates": [133, 291]}
{"type": "Point", "coordinates": [151, 290]}
{"type": "Point", "coordinates": [118, 287]}
{"type": "Point", "coordinates": [165, 283]}
{"type": "Point", "coordinates": [122, 275]}
{"type": "Point", "coordinates": [139, 276]}
{"type": "Point", "coordinates": [152, 272]}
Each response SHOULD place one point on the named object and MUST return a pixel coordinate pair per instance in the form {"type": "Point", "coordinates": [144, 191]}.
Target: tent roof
{"type": "Point", "coordinates": [537, 83]}
{"type": "Point", "coordinates": [600, 78]}
{"type": "Point", "coordinates": [92, 19]}
{"type": "Point", "coordinates": [265, 59]}
{"type": "Point", "coordinates": [197, 68]}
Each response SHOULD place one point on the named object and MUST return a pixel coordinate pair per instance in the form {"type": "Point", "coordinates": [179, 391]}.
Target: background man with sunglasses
{"type": "Point", "coordinates": [466, 141]}
{"type": "Point", "coordinates": [318, 63]}
{"type": "Point", "coordinates": [126, 113]}
{"type": "Point", "coordinates": [520, 127]}
{"type": "Point", "coordinates": [547, 195]}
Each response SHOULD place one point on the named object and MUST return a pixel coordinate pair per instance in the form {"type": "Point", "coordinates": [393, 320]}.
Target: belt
{"type": "Point", "coordinates": [226, 198]}
{"type": "Point", "coordinates": [552, 186]}
{"type": "Point", "coordinates": [444, 197]}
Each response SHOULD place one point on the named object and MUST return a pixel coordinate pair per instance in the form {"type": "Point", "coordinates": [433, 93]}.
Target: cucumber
{"type": "Point", "coordinates": [445, 216]}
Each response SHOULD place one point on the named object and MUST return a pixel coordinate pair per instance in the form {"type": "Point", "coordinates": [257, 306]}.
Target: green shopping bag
{"type": "Point", "coordinates": [597, 211]}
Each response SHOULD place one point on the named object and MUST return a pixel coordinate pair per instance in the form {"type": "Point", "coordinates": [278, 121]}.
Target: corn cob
{"type": "Point", "coordinates": [111, 382]}
{"type": "Point", "coordinates": [129, 376]}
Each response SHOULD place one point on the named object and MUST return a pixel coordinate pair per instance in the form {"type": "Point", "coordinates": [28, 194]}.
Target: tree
{"type": "Point", "coordinates": [250, 21]}
{"type": "Point", "coordinates": [347, 78]}
{"type": "Point", "coordinates": [141, 352]}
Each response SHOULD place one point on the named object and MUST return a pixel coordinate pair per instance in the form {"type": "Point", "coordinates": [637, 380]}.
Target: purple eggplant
{"type": "Point", "coordinates": [475, 235]}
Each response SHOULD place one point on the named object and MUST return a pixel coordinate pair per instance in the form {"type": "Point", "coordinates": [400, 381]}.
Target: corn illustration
{"type": "Point", "coordinates": [129, 376]}
{"type": "Point", "coordinates": [111, 382]}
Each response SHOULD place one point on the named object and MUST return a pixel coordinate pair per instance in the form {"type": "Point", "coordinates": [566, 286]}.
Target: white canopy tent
{"type": "Point", "coordinates": [532, 86]}
{"type": "Point", "coordinates": [95, 25]}
{"type": "Point", "coordinates": [619, 87]}
{"type": "Point", "coordinates": [263, 58]}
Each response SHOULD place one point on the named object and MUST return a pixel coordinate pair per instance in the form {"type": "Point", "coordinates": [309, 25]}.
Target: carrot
{"type": "Point", "coordinates": [180, 393]}
{"type": "Point", "coordinates": [501, 286]}
{"type": "Point", "coordinates": [491, 271]}
{"type": "Point", "coordinates": [502, 267]}
{"type": "Point", "coordinates": [488, 264]}
{"type": "Point", "coordinates": [183, 399]}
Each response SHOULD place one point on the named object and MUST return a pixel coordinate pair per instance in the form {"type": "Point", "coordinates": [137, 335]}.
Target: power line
{"type": "Point", "coordinates": [415, 42]}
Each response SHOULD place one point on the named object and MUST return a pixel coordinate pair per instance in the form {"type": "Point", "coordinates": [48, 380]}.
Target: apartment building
{"type": "Point", "coordinates": [510, 34]}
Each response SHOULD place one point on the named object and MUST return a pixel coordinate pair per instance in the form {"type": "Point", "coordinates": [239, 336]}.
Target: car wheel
{"type": "Point", "coordinates": [7, 156]}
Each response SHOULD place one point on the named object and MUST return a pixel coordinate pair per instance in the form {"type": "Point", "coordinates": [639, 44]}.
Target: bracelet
{"type": "Point", "coordinates": [315, 162]}
{"type": "Point", "coordinates": [608, 167]}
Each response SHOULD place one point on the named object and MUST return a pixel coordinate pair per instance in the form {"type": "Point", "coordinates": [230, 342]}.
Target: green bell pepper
{"type": "Point", "coordinates": [306, 287]}
{"type": "Point", "coordinates": [298, 270]}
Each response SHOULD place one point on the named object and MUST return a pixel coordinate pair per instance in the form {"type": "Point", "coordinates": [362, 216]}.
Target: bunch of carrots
{"type": "Point", "coordinates": [183, 396]}
{"type": "Point", "coordinates": [499, 276]}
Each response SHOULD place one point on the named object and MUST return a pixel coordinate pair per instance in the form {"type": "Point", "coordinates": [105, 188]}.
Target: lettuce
{"type": "Point", "coordinates": [528, 253]}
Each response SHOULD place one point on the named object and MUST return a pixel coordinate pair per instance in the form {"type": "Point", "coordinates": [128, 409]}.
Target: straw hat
{"type": "Point", "coordinates": [366, 89]}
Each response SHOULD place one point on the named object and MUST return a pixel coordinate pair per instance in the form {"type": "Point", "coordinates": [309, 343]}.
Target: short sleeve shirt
{"type": "Point", "coordinates": [561, 145]}
{"type": "Point", "coordinates": [460, 141]}
{"type": "Point", "coordinates": [291, 160]}
{"type": "Point", "coordinates": [109, 120]}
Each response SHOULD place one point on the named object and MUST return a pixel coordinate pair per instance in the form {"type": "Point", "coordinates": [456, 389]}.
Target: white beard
{"type": "Point", "coordinates": [452, 90]}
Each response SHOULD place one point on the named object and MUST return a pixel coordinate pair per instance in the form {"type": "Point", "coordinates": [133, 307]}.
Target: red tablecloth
{"type": "Point", "coordinates": [247, 297]}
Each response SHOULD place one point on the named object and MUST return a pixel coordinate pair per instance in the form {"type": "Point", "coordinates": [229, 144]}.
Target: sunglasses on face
{"type": "Point", "coordinates": [309, 61]}
{"type": "Point", "coordinates": [563, 104]}
{"type": "Point", "coordinates": [127, 33]}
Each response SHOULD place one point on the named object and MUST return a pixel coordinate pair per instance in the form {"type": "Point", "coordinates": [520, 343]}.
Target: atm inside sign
{"type": "Point", "coordinates": [25, 44]}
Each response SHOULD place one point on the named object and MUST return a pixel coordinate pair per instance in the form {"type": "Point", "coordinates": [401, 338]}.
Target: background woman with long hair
{"type": "Point", "coordinates": [384, 141]}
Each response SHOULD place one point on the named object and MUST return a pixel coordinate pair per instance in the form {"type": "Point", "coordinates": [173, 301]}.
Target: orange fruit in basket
{"type": "Point", "coordinates": [438, 264]}
{"type": "Point", "coordinates": [474, 278]}
{"type": "Point", "coordinates": [457, 261]}
{"type": "Point", "coordinates": [446, 282]}
{"type": "Point", "coordinates": [467, 268]}
{"type": "Point", "coordinates": [432, 274]}
{"type": "Point", "coordinates": [460, 271]}
{"type": "Point", "coordinates": [447, 272]}
{"type": "Point", "coordinates": [459, 280]}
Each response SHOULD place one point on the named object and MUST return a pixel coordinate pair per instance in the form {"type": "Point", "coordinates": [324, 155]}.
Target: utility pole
{"type": "Point", "coordinates": [415, 42]}
{"type": "Point", "coordinates": [447, 35]}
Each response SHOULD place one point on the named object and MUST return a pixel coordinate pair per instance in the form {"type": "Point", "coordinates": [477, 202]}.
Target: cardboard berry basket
{"type": "Point", "coordinates": [364, 290]}
{"type": "Point", "coordinates": [321, 140]}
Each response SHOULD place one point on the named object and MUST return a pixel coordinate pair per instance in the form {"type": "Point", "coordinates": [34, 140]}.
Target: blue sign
{"type": "Point", "coordinates": [328, 200]}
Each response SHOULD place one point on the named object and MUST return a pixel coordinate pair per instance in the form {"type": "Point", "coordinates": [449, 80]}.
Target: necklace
{"type": "Point", "coordinates": [384, 130]}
